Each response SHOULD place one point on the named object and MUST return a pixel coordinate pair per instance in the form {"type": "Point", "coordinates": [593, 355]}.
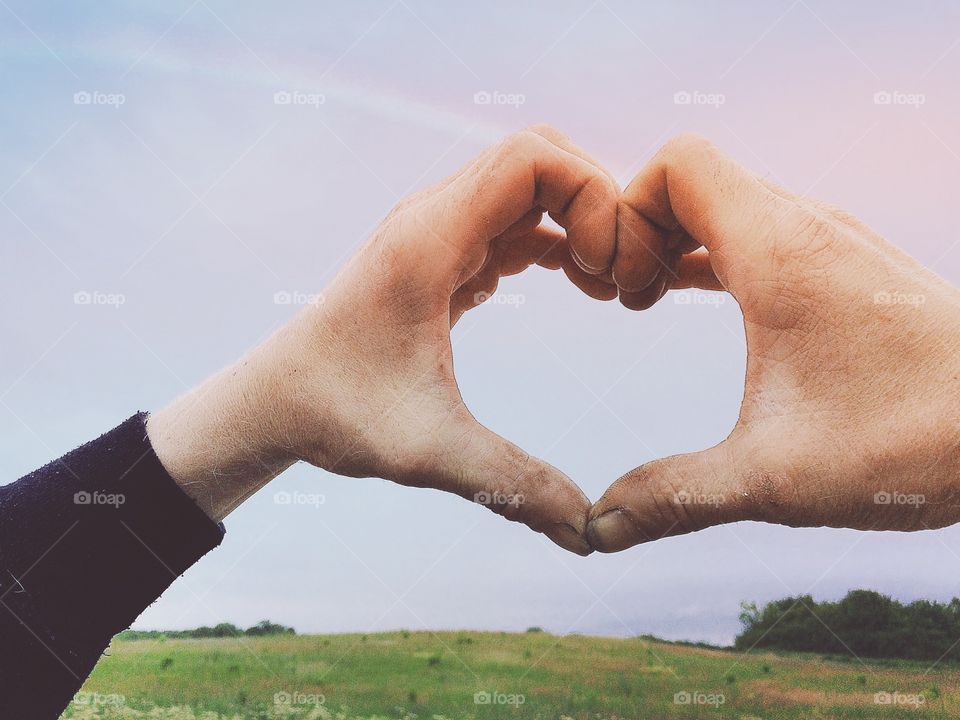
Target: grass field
{"type": "Point", "coordinates": [494, 675]}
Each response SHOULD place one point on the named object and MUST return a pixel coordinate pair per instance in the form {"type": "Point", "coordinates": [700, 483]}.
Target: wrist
{"type": "Point", "coordinates": [217, 441]}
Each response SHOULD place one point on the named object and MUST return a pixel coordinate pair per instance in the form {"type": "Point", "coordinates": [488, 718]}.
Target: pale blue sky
{"type": "Point", "coordinates": [198, 199]}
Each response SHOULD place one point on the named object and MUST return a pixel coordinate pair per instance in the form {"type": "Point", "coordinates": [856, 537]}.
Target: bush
{"type": "Point", "coordinates": [262, 628]}
{"type": "Point", "coordinates": [864, 623]}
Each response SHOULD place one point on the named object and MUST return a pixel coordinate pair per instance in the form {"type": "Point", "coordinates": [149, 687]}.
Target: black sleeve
{"type": "Point", "coordinates": [86, 544]}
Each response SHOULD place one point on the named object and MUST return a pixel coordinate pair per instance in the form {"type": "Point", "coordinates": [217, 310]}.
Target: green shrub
{"type": "Point", "coordinates": [864, 624]}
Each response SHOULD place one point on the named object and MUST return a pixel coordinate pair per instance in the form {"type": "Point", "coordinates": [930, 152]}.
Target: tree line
{"type": "Point", "coordinates": [264, 627]}
{"type": "Point", "coordinates": [864, 623]}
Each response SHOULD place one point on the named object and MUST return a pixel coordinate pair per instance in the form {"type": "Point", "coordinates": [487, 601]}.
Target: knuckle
{"type": "Point", "coordinates": [546, 130]}
{"type": "Point", "coordinates": [406, 204]}
{"type": "Point", "coordinates": [833, 211]}
{"type": "Point", "coordinates": [520, 145]}
{"type": "Point", "coordinates": [844, 218]}
{"type": "Point", "coordinates": [389, 241]}
{"type": "Point", "coordinates": [810, 236]}
{"type": "Point", "coordinates": [687, 145]}
{"type": "Point", "coordinates": [384, 243]}
{"type": "Point", "coordinates": [594, 204]}
{"type": "Point", "coordinates": [603, 189]}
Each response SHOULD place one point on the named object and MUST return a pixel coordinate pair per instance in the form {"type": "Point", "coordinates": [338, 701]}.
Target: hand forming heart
{"type": "Point", "coordinates": [846, 396]}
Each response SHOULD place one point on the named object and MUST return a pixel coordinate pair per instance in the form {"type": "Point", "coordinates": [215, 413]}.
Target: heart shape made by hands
{"type": "Point", "coordinates": [832, 373]}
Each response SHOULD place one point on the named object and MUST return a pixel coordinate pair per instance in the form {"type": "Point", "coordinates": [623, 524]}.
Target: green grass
{"type": "Point", "coordinates": [535, 675]}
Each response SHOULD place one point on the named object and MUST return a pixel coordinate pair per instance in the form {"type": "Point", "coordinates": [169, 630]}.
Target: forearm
{"type": "Point", "coordinates": [86, 543]}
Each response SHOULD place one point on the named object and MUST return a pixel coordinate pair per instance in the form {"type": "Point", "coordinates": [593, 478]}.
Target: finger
{"type": "Point", "coordinates": [510, 254]}
{"type": "Point", "coordinates": [594, 286]}
{"type": "Point", "coordinates": [513, 253]}
{"type": "Point", "coordinates": [560, 139]}
{"type": "Point", "coordinates": [479, 465]}
{"type": "Point", "coordinates": [593, 289]}
{"type": "Point", "coordinates": [548, 248]}
{"type": "Point", "coordinates": [555, 257]}
{"type": "Point", "coordinates": [647, 297]}
{"type": "Point", "coordinates": [524, 172]}
{"type": "Point", "coordinates": [693, 187]}
{"type": "Point", "coordinates": [519, 252]}
{"type": "Point", "coordinates": [672, 496]}
{"type": "Point", "coordinates": [695, 271]}
{"type": "Point", "coordinates": [543, 246]}
{"type": "Point", "coordinates": [642, 252]}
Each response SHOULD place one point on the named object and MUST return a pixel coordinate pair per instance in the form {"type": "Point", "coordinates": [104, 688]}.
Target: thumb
{"type": "Point", "coordinates": [671, 496]}
{"type": "Point", "coordinates": [479, 465]}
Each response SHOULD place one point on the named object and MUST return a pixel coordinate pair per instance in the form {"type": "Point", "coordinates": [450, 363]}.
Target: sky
{"type": "Point", "coordinates": [157, 197]}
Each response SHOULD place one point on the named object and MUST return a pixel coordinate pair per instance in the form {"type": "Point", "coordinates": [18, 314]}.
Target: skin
{"type": "Point", "coordinates": [853, 364]}
{"type": "Point", "coordinates": [362, 384]}
{"type": "Point", "coordinates": [850, 412]}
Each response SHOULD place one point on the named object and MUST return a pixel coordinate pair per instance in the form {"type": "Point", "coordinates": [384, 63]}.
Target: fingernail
{"type": "Point", "coordinates": [611, 532]}
{"type": "Point", "coordinates": [569, 539]}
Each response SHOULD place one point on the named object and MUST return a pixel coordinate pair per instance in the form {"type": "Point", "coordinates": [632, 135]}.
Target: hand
{"type": "Point", "coordinates": [851, 408]}
{"type": "Point", "coordinates": [363, 385]}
